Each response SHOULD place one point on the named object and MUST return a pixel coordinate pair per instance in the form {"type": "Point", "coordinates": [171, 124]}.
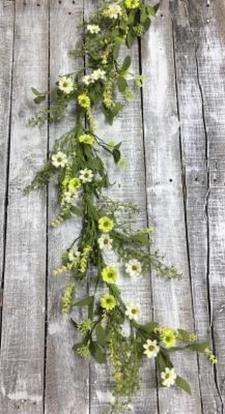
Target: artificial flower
{"type": "Point", "coordinates": [85, 326]}
{"type": "Point", "coordinates": [69, 196]}
{"type": "Point", "coordinates": [73, 254]}
{"type": "Point", "coordinates": [132, 4]}
{"type": "Point", "coordinates": [151, 348]}
{"type": "Point", "coordinates": [86, 175]}
{"type": "Point", "coordinates": [66, 85]}
{"type": "Point", "coordinates": [133, 267]}
{"type": "Point", "coordinates": [84, 351]}
{"type": "Point", "coordinates": [110, 274]}
{"type": "Point", "coordinates": [98, 74]}
{"type": "Point", "coordinates": [93, 28]}
{"type": "Point", "coordinates": [59, 160]}
{"type": "Point", "coordinates": [84, 101]}
{"type": "Point", "coordinates": [168, 337]}
{"type": "Point", "coordinates": [105, 242]}
{"type": "Point", "coordinates": [105, 224]}
{"type": "Point", "coordinates": [87, 139]}
{"type": "Point", "coordinates": [168, 377]}
{"type": "Point", "coordinates": [108, 301]}
{"type": "Point", "coordinates": [132, 311]}
{"type": "Point", "coordinates": [74, 183]}
{"type": "Point", "coordinates": [113, 11]}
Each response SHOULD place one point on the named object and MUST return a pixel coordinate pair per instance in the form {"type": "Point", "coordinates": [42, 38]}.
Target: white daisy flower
{"type": "Point", "coordinates": [73, 254]}
{"type": "Point", "coordinates": [113, 11]}
{"type": "Point", "coordinates": [151, 348]}
{"type": "Point", "coordinates": [59, 159]}
{"type": "Point", "coordinates": [66, 85]}
{"type": "Point", "coordinates": [86, 175]}
{"type": "Point", "coordinates": [93, 28]}
{"type": "Point", "coordinates": [105, 242]}
{"type": "Point", "coordinates": [132, 311]}
{"type": "Point", "coordinates": [168, 377]}
{"type": "Point", "coordinates": [133, 267]}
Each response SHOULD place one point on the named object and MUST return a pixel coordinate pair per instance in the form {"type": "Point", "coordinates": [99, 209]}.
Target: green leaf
{"type": "Point", "coordinates": [131, 17]}
{"type": "Point", "coordinates": [116, 51]}
{"type": "Point", "coordinates": [36, 92]}
{"type": "Point", "coordinates": [183, 384]}
{"type": "Point", "coordinates": [116, 155]}
{"type": "Point", "coordinates": [122, 84]}
{"type": "Point", "coordinates": [74, 323]}
{"type": "Point", "coordinates": [152, 10]}
{"type": "Point", "coordinates": [164, 360]}
{"type": "Point", "coordinates": [84, 302]}
{"type": "Point", "coordinates": [39, 99]}
{"type": "Point", "coordinates": [198, 346]}
{"type": "Point", "coordinates": [144, 14]}
{"type": "Point", "coordinates": [141, 238]}
{"type": "Point", "coordinates": [97, 352]}
{"type": "Point", "coordinates": [131, 37]}
{"type": "Point", "coordinates": [183, 335]}
{"type": "Point", "coordinates": [146, 24]}
{"type": "Point", "coordinates": [156, 7]}
{"type": "Point", "coordinates": [110, 114]}
{"type": "Point", "coordinates": [101, 335]}
{"type": "Point", "coordinates": [149, 327]}
{"type": "Point", "coordinates": [126, 64]}
{"type": "Point", "coordinates": [77, 211]}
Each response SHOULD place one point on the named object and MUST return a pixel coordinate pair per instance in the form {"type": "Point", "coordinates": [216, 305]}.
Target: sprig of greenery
{"type": "Point", "coordinates": [76, 163]}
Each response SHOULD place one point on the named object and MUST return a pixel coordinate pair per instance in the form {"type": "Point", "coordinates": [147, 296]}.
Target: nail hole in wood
{"type": "Point", "coordinates": [196, 178]}
{"type": "Point", "coordinates": [214, 180]}
{"type": "Point", "coordinates": [60, 1]}
{"type": "Point", "coordinates": [170, 180]}
{"type": "Point", "coordinates": [38, 4]}
{"type": "Point", "coordinates": [69, 13]}
{"type": "Point", "coordinates": [161, 15]}
{"type": "Point", "coordinates": [73, 2]}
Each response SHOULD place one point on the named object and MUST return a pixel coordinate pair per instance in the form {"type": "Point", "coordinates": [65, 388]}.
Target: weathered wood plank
{"type": "Point", "coordinates": [129, 186]}
{"type": "Point", "coordinates": [24, 289]}
{"type": "Point", "coordinates": [172, 300]}
{"type": "Point", "coordinates": [206, 24]}
{"type": "Point", "coordinates": [189, 42]}
{"type": "Point", "coordinates": [6, 57]}
{"type": "Point", "coordinates": [67, 386]}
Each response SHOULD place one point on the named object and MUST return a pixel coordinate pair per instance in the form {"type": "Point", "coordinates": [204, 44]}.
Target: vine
{"type": "Point", "coordinates": [107, 225]}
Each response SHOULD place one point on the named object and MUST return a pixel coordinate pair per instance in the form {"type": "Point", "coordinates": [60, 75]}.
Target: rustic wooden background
{"type": "Point", "coordinates": [174, 137]}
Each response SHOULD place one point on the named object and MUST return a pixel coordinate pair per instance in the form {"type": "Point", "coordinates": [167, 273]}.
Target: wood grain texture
{"type": "Point", "coordinates": [172, 300]}
{"type": "Point", "coordinates": [22, 352]}
{"type": "Point", "coordinates": [67, 375]}
{"type": "Point", "coordinates": [208, 32]}
{"type": "Point", "coordinates": [190, 44]}
{"type": "Point", "coordinates": [6, 58]}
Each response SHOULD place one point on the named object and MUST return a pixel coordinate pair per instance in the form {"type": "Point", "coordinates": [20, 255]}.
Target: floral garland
{"type": "Point", "coordinates": [82, 177]}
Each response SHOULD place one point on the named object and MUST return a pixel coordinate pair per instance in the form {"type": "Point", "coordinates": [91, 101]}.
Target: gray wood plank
{"type": "Point", "coordinates": [6, 57]}
{"type": "Point", "coordinates": [129, 186]}
{"type": "Point", "coordinates": [192, 74]}
{"type": "Point", "coordinates": [22, 353]}
{"type": "Point", "coordinates": [67, 375]}
{"type": "Point", "coordinates": [172, 300]}
{"type": "Point", "coordinates": [207, 27]}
